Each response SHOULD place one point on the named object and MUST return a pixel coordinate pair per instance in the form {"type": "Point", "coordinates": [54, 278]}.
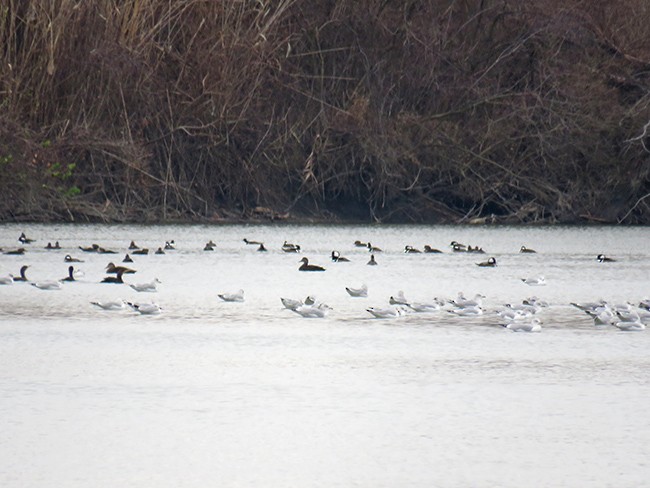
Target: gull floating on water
{"type": "Point", "coordinates": [398, 299]}
{"type": "Point", "coordinates": [110, 305]}
{"type": "Point", "coordinates": [461, 301]}
{"type": "Point", "coordinates": [472, 311]}
{"type": "Point", "coordinates": [538, 281]}
{"type": "Point", "coordinates": [145, 308]}
{"type": "Point", "coordinates": [532, 326]}
{"type": "Point", "coordinates": [7, 280]}
{"type": "Point", "coordinates": [358, 292]}
{"type": "Point", "coordinates": [292, 304]}
{"type": "Point", "coordinates": [48, 285]}
{"type": "Point", "coordinates": [237, 296]}
{"type": "Point", "coordinates": [312, 311]}
{"type": "Point", "coordinates": [425, 307]}
{"type": "Point", "coordinates": [385, 313]}
{"type": "Point", "coordinates": [152, 286]}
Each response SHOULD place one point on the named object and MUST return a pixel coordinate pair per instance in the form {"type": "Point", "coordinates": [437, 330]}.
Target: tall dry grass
{"type": "Point", "coordinates": [456, 110]}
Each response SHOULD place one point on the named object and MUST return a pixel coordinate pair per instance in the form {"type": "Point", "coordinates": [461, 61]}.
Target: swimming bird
{"type": "Point", "coordinates": [16, 252]}
{"type": "Point", "coordinates": [209, 246]}
{"type": "Point", "coordinates": [112, 269]}
{"type": "Point", "coordinates": [23, 276]}
{"type": "Point", "coordinates": [425, 307]}
{"type": "Point", "coordinates": [288, 247]}
{"type": "Point", "coordinates": [254, 243]}
{"type": "Point", "coordinates": [127, 259]}
{"type": "Point", "coordinates": [292, 304]}
{"type": "Point", "coordinates": [24, 239]}
{"type": "Point", "coordinates": [261, 248]}
{"type": "Point", "coordinates": [628, 321]}
{"type": "Point", "coordinates": [490, 263]}
{"type": "Point", "coordinates": [114, 279]}
{"type": "Point", "coordinates": [372, 248]}
{"type": "Point", "coordinates": [70, 259]}
{"type": "Point", "coordinates": [170, 245]}
{"type": "Point", "coordinates": [70, 276]}
{"type": "Point", "coordinates": [532, 326]}
{"type": "Point", "coordinates": [385, 313]}
{"type": "Point", "coordinates": [372, 261]}
{"type": "Point", "coordinates": [467, 311]}
{"type": "Point", "coordinates": [103, 250]}
{"type": "Point", "coordinates": [160, 251]}
{"type": "Point", "coordinates": [398, 299]}
{"type": "Point", "coordinates": [91, 248]}
{"type": "Point", "coordinates": [461, 301]}
{"type": "Point", "coordinates": [525, 249]}
{"type": "Point", "coordinates": [150, 287]}
{"type": "Point", "coordinates": [538, 281]}
{"type": "Point", "coordinates": [47, 285]}
{"type": "Point", "coordinates": [602, 316]}
{"type": "Point", "coordinates": [411, 250]}
{"type": "Point", "coordinates": [601, 258]}
{"type": "Point", "coordinates": [358, 292]}
{"type": "Point", "coordinates": [7, 280]}
{"type": "Point", "coordinates": [145, 308]}
{"type": "Point", "coordinates": [312, 311]}
{"type": "Point", "coordinates": [110, 305]}
{"type": "Point", "coordinates": [476, 249]}
{"type": "Point", "coordinates": [429, 249]}
{"type": "Point", "coordinates": [360, 244]}
{"type": "Point", "coordinates": [457, 246]}
{"type": "Point", "coordinates": [50, 247]}
{"type": "Point", "coordinates": [645, 304]}
{"type": "Point", "coordinates": [309, 267]}
{"type": "Point", "coordinates": [238, 296]}
{"type": "Point", "coordinates": [133, 245]}
{"type": "Point", "coordinates": [337, 258]}
{"type": "Point", "coordinates": [590, 305]}
{"type": "Point", "coordinates": [141, 252]}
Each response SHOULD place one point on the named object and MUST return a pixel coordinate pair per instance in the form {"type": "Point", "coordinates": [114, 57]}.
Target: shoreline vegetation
{"type": "Point", "coordinates": [456, 111]}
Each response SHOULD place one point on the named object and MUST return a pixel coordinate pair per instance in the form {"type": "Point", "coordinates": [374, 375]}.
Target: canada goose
{"type": "Point", "coordinates": [22, 276]}
{"type": "Point", "coordinates": [70, 276]}
{"type": "Point", "coordinates": [309, 267]}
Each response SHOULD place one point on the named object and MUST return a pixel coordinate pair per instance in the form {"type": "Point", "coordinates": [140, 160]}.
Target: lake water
{"type": "Point", "coordinates": [209, 393]}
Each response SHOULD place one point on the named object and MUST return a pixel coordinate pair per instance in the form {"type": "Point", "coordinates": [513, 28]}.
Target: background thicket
{"type": "Point", "coordinates": [439, 110]}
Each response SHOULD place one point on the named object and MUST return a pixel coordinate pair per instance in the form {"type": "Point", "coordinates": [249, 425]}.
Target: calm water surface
{"type": "Point", "coordinates": [210, 393]}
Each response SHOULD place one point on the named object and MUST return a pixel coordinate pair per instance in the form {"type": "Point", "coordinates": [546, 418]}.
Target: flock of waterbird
{"type": "Point", "coordinates": [520, 317]}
